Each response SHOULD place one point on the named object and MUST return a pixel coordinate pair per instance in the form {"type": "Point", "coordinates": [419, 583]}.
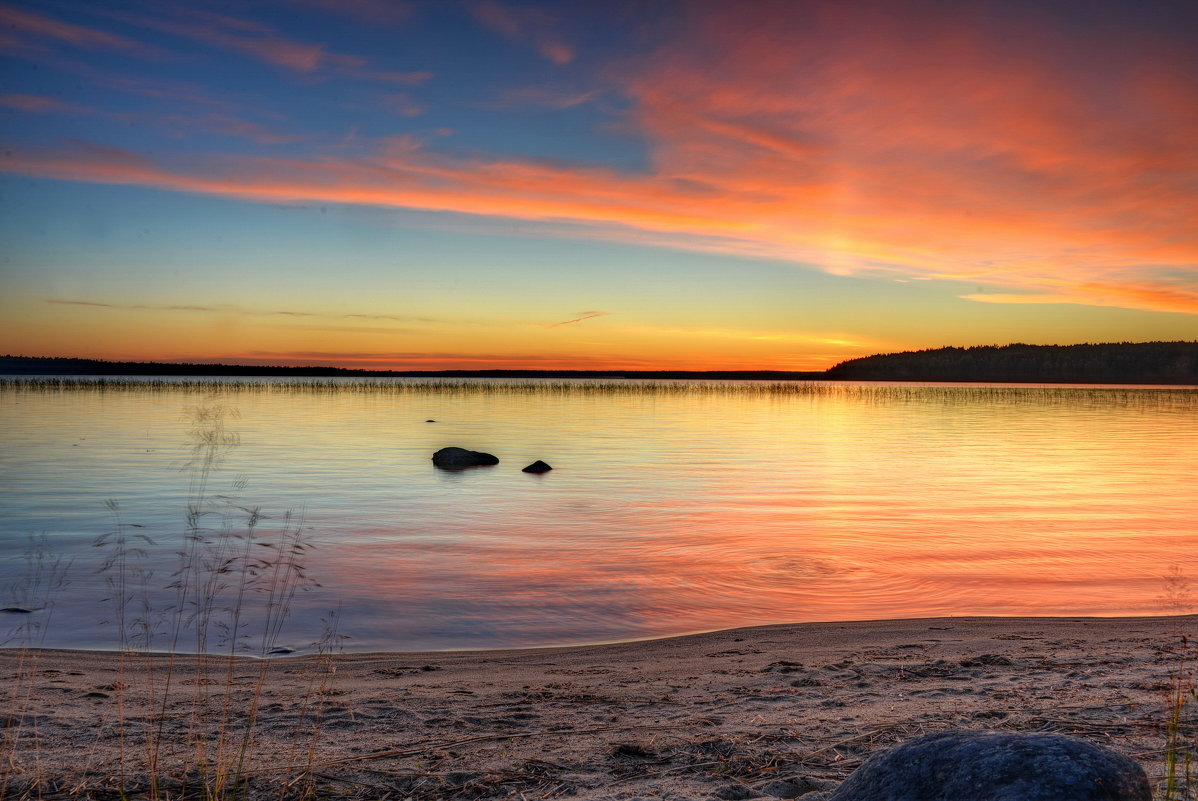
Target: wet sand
{"type": "Point", "coordinates": [773, 711]}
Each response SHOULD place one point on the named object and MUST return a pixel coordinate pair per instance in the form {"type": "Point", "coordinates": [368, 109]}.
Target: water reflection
{"type": "Point", "coordinates": [665, 513]}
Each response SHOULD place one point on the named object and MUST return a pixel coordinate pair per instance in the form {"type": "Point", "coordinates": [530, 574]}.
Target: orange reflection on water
{"type": "Point", "coordinates": [751, 512]}
{"type": "Point", "coordinates": [670, 511]}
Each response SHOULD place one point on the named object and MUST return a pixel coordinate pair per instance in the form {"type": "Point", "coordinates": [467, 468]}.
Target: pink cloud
{"type": "Point", "coordinates": [37, 104]}
{"type": "Point", "coordinates": [249, 38]}
{"type": "Point", "coordinates": [998, 150]}
{"type": "Point", "coordinates": [179, 124]}
{"type": "Point", "coordinates": [404, 104]}
{"type": "Point", "coordinates": [375, 12]}
{"type": "Point", "coordinates": [415, 78]}
{"type": "Point", "coordinates": [263, 43]}
{"type": "Point", "coordinates": [150, 87]}
{"type": "Point", "coordinates": [524, 24]}
{"type": "Point", "coordinates": [583, 315]}
{"type": "Point", "coordinates": [26, 24]}
{"type": "Point", "coordinates": [227, 125]}
{"type": "Point", "coordinates": [539, 96]}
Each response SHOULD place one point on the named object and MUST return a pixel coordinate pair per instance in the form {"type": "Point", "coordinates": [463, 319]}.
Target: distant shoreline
{"type": "Point", "coordinates": [1173, 363]}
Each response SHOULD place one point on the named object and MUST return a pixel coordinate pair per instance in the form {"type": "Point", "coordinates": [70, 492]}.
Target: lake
{"type": "Point", "coordinates": [672, 508]}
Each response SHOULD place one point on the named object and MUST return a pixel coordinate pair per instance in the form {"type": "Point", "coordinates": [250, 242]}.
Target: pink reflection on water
{"type": "Point", "coordinates": [666, 512]}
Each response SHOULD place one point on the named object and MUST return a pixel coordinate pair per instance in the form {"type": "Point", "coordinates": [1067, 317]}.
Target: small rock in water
{"type": "Point", "coordinates": [996, 766]}
{"type": "Point", "coordinates": [537, 467]}
{"type": "Point", "coordinates": [430, 421]}
{"type": "Point", "coordinates": [460, 458]}
{"type": "Point", "coordinates": [16, 610]}
{"type": "Point", "coordinates": [281, 650]}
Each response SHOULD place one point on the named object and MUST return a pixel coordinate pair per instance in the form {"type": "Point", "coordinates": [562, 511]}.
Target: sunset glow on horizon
{"type": "Point", "coordinates": [676, 185]}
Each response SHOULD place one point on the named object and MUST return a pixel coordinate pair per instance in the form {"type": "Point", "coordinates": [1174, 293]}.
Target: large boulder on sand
{"type": "Point", "coordinates": [996, 766]}
{"type": "Point", "coordinates": [460, 459]}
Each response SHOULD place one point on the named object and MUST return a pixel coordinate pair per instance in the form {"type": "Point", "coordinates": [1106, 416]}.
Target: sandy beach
{"type": "Point", "coordinates": [775, 711]}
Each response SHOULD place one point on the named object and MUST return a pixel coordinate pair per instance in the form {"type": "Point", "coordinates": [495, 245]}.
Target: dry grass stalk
{"type": "Point", "coordinates": [231, 593]}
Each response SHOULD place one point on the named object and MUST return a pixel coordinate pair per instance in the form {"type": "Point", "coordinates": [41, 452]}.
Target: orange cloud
{"type": "Point", "coordinates": [948, 142]}
{"type": "Point", "coordinates": [402, 180]}
{"type": "Point", "coordinates": [1093, 294]}
{"type": "Point", "coordinates": [447, 360]}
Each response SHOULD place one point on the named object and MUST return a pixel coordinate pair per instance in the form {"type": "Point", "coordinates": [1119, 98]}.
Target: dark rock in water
{"type": "Point", "coordinates": [996, 766]}
{"type": "Point", "coordinates": [537, 467]}
{"type": "Point", "coordinates": [430, 421]}
{"type": "Point", "coordinates": [16, 610]}
{"type": "Point", "coordinates": [460, 458]}
{"type": "Point", "coordinates": [281, 650]}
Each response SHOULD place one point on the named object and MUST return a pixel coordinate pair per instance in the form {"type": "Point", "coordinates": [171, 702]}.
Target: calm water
{"type": "Point", "coordinates": [667, 511]}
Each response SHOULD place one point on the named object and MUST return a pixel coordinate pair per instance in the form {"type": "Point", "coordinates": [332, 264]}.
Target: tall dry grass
{"type": "Point", "coordinates": [879, 393]}
{"type": "Point", "coordinates": [1180, 728]}
{"type": "Point", "coordinates": [192, 669]}
{"type": "Point", "coordinates": [29, 604]}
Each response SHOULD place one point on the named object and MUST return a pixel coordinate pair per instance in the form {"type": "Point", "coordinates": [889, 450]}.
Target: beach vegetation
{"type": "Point", "coordinates": [1180, 729]}
{"type": "Point", "coordinates": [868, 393]}
{"type": "Point", "coordinates": [192, 670]}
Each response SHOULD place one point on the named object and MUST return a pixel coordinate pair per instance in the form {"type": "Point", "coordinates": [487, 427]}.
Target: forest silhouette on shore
{"type": "Point", "coordinates": [1105, 363]}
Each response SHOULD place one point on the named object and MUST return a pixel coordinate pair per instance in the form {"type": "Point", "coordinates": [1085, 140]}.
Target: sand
{"type": "Point", "coordinates": [775, 710]}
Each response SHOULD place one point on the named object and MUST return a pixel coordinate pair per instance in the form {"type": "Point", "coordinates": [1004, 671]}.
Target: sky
{"type": "Point", "coordinates": [688, 185]}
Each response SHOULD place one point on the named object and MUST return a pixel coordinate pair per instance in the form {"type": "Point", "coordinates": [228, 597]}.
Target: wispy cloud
{"type": "Point", "coordinates": [264, 43]}
{"type": "Point", "coordinates": [82, 303]}
{"type": "Point", "coordinates": [373, 12]}
{"type": "Point", "coordinates": [442, 360]}
{"type": "Point", "coordinates": [179, 125]}
{"type": "Point", "coordinates": [37, 104]}
{"type": "Point", "coordinates": [1048, 166]}
{"type": "Point", "coordinates": [838, 340]}
{"type": "Point", "coordinates": [404, 104]}
{"type": "Point", "coordinates": [128, 306]}
{"type": "Point", "coordinates": [184, 125]}
{"type": "Point", "coordinates": [539, 96]}
{"type": "Point", "coordinates": [396, 317]}
{"type": "Point", "coordinates": [582, 315]}
{"type": "Point", "coordinates": [18, 27]}
{"type": "Point", "coordinates": [243, 36]}
{"type": "Point", "coordinates": [233, 309]}
{"type": "Point", "coordinates": [153, 87]}
{"type": "Point", "coordinates": [1129, 294]}
{"type": "Point", "coordinates": [536, 26]}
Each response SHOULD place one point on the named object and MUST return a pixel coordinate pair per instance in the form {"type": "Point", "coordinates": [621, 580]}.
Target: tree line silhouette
{"type": "Point", "coordinates": [1107, 363]}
